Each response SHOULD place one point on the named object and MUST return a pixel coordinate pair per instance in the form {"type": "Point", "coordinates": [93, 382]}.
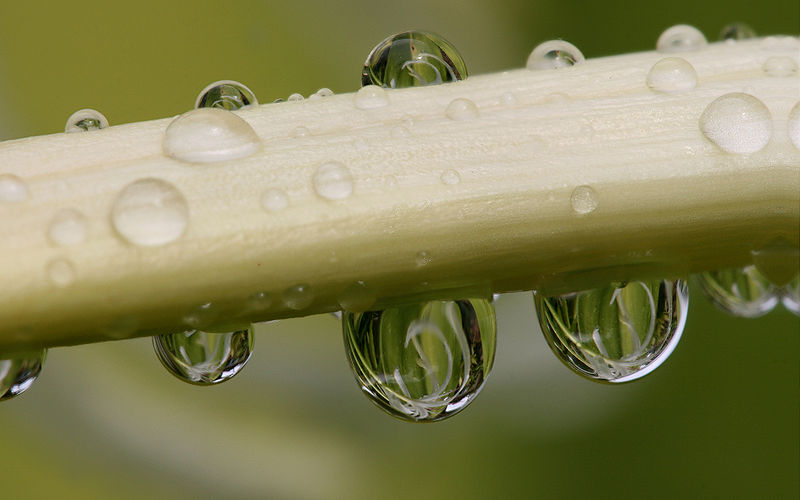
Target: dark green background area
{"type": "Point", "coordinates": [717, 420]}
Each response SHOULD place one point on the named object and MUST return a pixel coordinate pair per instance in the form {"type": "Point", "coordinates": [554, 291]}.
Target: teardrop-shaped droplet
{"type": "Point", "coordinates": [737, 123]}
{"type": "Point", "coordinates": [790, 295]}
{"type": "Point", "coordinates": [739, 291]}
{"type": "Point", "coordinates": [681, 38]}
{"type": "Point", "coordinates": [225, 94]}
{"type": "Point", "coordinates": [672, 75]}
{"type": "Point", "coordinates": [425, 361]}
{"type": "Point", "coordinates": [554, 54]}
{"type": "Point", "coordinates": [413, 59]}
{"type": "Point", "coordinates": [737, 31]}
{"type": "Point", "coordinates": [17, 374]}
{"type": "Point", "coordinates": [208, 135]}
{"type": "Point", "coordinates": [85, 120]}
{"type": "Point", "coordinates": [204, 358]}
{"type": "Point", "coordinates": [618, 333]}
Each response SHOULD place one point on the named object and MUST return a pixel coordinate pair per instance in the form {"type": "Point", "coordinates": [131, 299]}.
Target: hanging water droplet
{"type": "Point", "coordinates": [68, 227]}
{"type": "Point", "coordinates": [150, 212]}
{"type": "Point", "coordinates": [618, 333]}
{"type": "Point", "coordinates": [12, 189]}
{"type": "Point", "coordinates": [17, 374]}
{"type": "Point", "coordinates": [737, 31]}
{"type": "Point", "coordinates": [778, 261]}
{"type": "Point", "coordinates": [333, 181]}
{"type": "Point", "coordinates": [298, 297]}
{"type": "Point", "coordinates": [274, 200]}
{"type": "Point", "coordinates": [554, 54]}
{"type": "Point", "coordinates": [681, 38]}
{"type": "Point", "coordinates": [357, 297]}
{"type": "Point", "coordinates": [295, 97]}
{"type": "Point", "coordinates": [790, 296]}
{"type": "Point", "coordinates": [450, 177]}
{"type": "Point", "coordinates": [61, 272]}
{"type": "Point", "coordinates": [461, 109]}
{"type": "Point", "coordinates": [204, 358]}
{"type": "Point", "coordinates": [780, 66]}
{"type": "Point", "coordinates": [793, 127]}
{"type": "Point", "coordinates": [85, 120]}
{"type": "Point", "coordinates": [737, 123]}
{"type": "Point", "coordinates": [672, 75]}
{"type": "Point", "coordinates": [583, 200]}
{"type": "Point", "coordinates": [425, 361]}
{"type": "Point", "coordinates": [226, 94]}
{"type": "Point", "coordinates": [413, 59]}
{"type": "Point", "coordinates": [371, 97]}
{"type": "Point", "coordinates": [739, 291]}
{"type": "Point", "coordinates": [208, 135]}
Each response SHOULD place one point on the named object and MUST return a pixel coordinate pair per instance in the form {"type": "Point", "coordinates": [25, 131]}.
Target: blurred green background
{"type": "Point", "coordinates": [718, 420]}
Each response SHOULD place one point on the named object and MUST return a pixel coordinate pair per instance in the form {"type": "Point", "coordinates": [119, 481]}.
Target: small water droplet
{"type": "Point", "coordinates": [323, 92]}
{"type": "Point", "coordinates": [583, 200]}
{"type": "Point", "coordinates": [672, 75]}
{"type": "Point", "coordinates": [259, 301]}
{"type": "Point", "coordinates": [371, 97]}
{"type": "Point", "coordinates": [12, 189]}
{"type": "Point", "coordinates": [423, 258]}
{"type": "Point", "coordinates": [150, 212]}
{"type": "Point", "coordinates": [508, 99]}
{"type": "Point", "coordinates": [681, 38]}
{"type": "Point", "coordinates": [68, 227]}
{"type": "Point", "coordinates": [85, 120]}
{"type": "Point", "coordinates": [201, 316]}
{"type": "Point", "coordinates": [300, 131]}
{"type": "Point", "coordinates": [425, 361]}
{"type": "Point", "coordinates": [274, 200]}
{"type": "Point", "coordinates": [461, 109]}
{"type": "Point", "coordinates": [208, 135]}
{"type": "Point", "coordinates": [204, 358]}
{"type": "Point", "coordinates": [298, 297]}
{"type": "Point", "coordinates": [790, 296]}
{"type": "Point", "coordinates": [413, 59]}
{"type": "Point", "coordinates": [737, 31]}
{"type": "Point", "coordinates": [17, 374]}
{"type": "Point", "coordinates": [450, 177]}
{"type": "Point", "coordinates": [780, 44]}
{"type": "Point", "coordinates": [333, 181]}
{"type": "Point", "coordinates": [295, 97]}
{"type": "Point", "coordinates": [226, 94]}
{"type": "Point", "coordinates": [780, 66]}
{"type": "Point", "coordinates": [737, 123]}
{"type": "Point", "coordinates": [357, 297]}
{"type": "Point", "coordinates": [739, 291]}
{"type": "Point", "coordinates": [778, 261]}
{"type": "Point", "coordinates": [618, 333]}
{"type": "Point", "coordinates": [794, 130]}
{"type": "Point", "coordinates": [61, 272]}
{"type": "Point", "coordinates": [554, 54]}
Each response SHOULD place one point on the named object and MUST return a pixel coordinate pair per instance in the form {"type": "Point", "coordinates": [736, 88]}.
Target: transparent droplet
{"type": "Point", "coordinates": [450, 177]}
{"type": "Point", "coordinates": [259, 301]}
{"type": "Point", "coordinates": [333, 181]}
{"type": "Point", "coordinates": [423, 258]}
{"type": "Point", "coordinates": [357, 297]}
{"type": "Point", "coordinates": [780, 66]}
{"type": "Point", "coordinates": [150, 212]}
{"type": "Point", "coordinates": [323, 92]}
{"type": "Point", "coordinates": [781, 43]}
{"type": "Point", "coordinates": [208, 135]}
{"type": "Point", "coordinates": [681, 38]}
{"type": "Point", "coordinates": [12, 189]}
{"type": "Point", "coordinates": [739, 291]}
{"type": "Point", "coordinates": [201, 316]}
{"type": "Point", "coordinates": [295, 97]}
{"type": "Point", "coordinates": [61, 272]}
{"type": "Point", "coordinates": [225, 94]}
{"type": "Point", "coordinates": [18, 373]}
{"type": "Point", "coordinates": [737, 31]}
{"type": "Point", "coordinates": [618, 333]}
{"type": "Point", "coordinates": [737, 123]}
{"type": "Point", "coordinates": [461, 109]}
{"type": "Point", "coordinates": [794, 130]}
{"type": "Point", "coordinates": [413, 59]}
{"type": "Point", "coordinates": [554, 54]}
{"type": "Point", "coordinates": [85, 120]}
{"type": "Point", "coordinates": [778, 261]}
{"type": "Point", "coordinates": [298, 297]}
{"type": "Point", "coordinates": [422, 362]}
{"type": "Point", "coordinates": [204, 358]}
{"type": "Point", "coordinates": [583, 200]}
{"type": "Point", "coordinates": [68, 227]}
{"type": "Point", "coordinates": [672, 75]}
{"type": "Point", "coordinates": [790, 296]}
{"type": "Point", "coordinates": [274, 200]}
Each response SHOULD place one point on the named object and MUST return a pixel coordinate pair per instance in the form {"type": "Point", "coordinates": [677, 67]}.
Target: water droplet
{"type": "Point", "coordinates": [583, 200]}
{"type": "Point", "coordinates": [450, 177]}
{"type": "Point", "coordinates": [739, 291]}
{"type": "Point", "coordinates": [618, 333]}
{"type": "Point", "coordinates": [61, 272]}
{"type": "Point", "coordinates": [780, 66]}
{"type": "Point", "coordinates": [259, 301]}
{"type": "Point", "coordinates": [737, 123]}
{"type": "Point", "coordinates": [778, 261]}
{"type": "Point", "coordinates": [737, 31]}
{"type": "Point", "coordinates": [300, 131]}
{"type": "Point", "coordinates": [68, 227]}
{"type": "Point", "coordinates": [150, 212]}
{"type": "Point", "coordinates": [333, 181]}
{"type": "Point", "coordinates": [208, 135]}
{"type": "Point", "coordinates": [461, 109]}
{"type": "Point", "coordinates": [554, 54]}
{"type": "Point", "coordinates": [357, 297]}
{"type": "Point", "coordinates": [413, 59]}
{"type": "Point", "coordinates": [12, 189]}
{"type": "Point", "coordinates": [371, 97]}
{"type": "Point", "coordinates": [323, 92]}
{"type": "Point", "coordinates": [780, 44]}
{"type": "Point", "coordinates": [201, 316]}
{"type": "Point", "coordinates": [425, 361]}
{"type": "Point", "coordinates": [794, 130]}
{"type": "Point", "coordinates": [790, 296]}
{"type": "Point", "coordinates": [274, 200]}
{"type": "Point", "coordinates": [298, 297]}
{"type": "Point", "coordinates": [671, 75]}
{"type": "Point", "coordinates": [204, 358]}
{"type": "Point", "coordinates": [390, 183]}
{"type": "Point", "coordinates": [422, 259]}
{"type": "Point", "coordinates": [508, 99]}
{"type": "Point", "coordinates": [17, 374]}
{"type": "Point", "coordinates": [226, 94]}
{"type": "Point", "coordinates": [295, 97]}
{"type": "Point", "coordinates": [681, 38]}
{"type": "Point", "coordinates": [85, 120]}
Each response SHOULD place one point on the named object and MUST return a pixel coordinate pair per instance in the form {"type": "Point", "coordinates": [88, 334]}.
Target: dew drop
{"type": "Point", "coordinates": [61, 272]}
{"type": "Point", "coordinates": [778, 261]}
{"type": "Point", "coordinates": [413, 59]}
{"type": "Point", "coordinates": [618, 333]}
{"type": "Point", "coordinates": [422, 259]}
{"type": "Point", "coordinates": [204, 358]}
{"type": "Point", "coordinates": [300, 131]}
{"type": "Point", "coordinates": [357, 297]}
{"type": "Point", "coordinates": [17, 374]}
{"type": "Point", "coordinates": [780, 44]}
{"type": "Point", "coordinates": [461, 109]}
{"type": "Point", "coordinates": [741, 291]}
{"type": "Point", "coordinates": [583, 200]}
{"type": "Point", "coordinates": [85, 120]}
{"type": "Point", "coordinates": [450, 177]}
{"type": "Point", "coordinates": [12, 189]}
{"type": "Point", "coordinates": [737, 31]}
{"type": "Point", "coordinates": [201, 316]}
{"type": "Point", "coordinates": [794, 129]}
{"type": "Point", "coordinates": [737, 123]}
{"type": "Point", "coordinates": [150, 212]}
{"type": "Point", "coordinates": [780, 66]}
{"type": "Point", "coordinates": [333, 181]}
{"type": "Point", "coordinates": [371, 97]}
{"type": "Point", "coordinates": [422, 362]}
{"type": "Point", "coordinates": [790, 296]}
{"type": "Point", "coordinates": [672, 75]}
{"type": "Point", "coordinates": [274, 200]}
{"type": "Point", "coordinates": [68, 227]}
{"type": "Point", "coordinates": [390, 183]}
{"type": "Point", "coordinates": [323, 92]}
{"type": "Point", "coordinates": [554, 54]}
{"type": "Point", "coordinates": [208, 135]}
{"type": "Point", "coordinates": [298, 297]}
{"type": "Point", "coordinates": [259, 301]}
{"type": "Point", "coordinates": [508, 99]}
{"type": "Point", "coordinates": [681, 38]}
{"type": "Point", "coordinates": [295, 97]}
{"type": "Point", "coordinates": [226, 94]}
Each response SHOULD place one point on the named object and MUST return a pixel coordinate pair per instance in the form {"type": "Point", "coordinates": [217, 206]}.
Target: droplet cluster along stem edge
{"type": "Point", "coordinates": [664, 200]}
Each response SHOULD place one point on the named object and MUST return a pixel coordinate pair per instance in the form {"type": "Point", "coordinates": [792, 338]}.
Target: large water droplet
{"type": "Point", "coordinates": [681, 38]}
{"type": "Point", "coordinates": [274, 200]}
{"type": "Point", "coordinates": [780, 66]}
{"type": "Point", "coordinates": [422, 362]}
{"type": "Point", "coordinates": [737, 123]}
{"type": "Point", "coordinates": [298, 297]}
{"type": "Point", "coordinates": [412, 59]}
{"type": "Point", "coordinates": [61, 272]}
{"type": "Point", "coordinates": [85, 120]}
{"type": "Point", "coordinates": [790, 296]}
{"type": "Point", "coordinates": [554, 54]}
{"type": "Point", "coordinates": [357, 297]}
{"type": "Point", "coordinates": [672, 75]}
{"type": "Point", "coordinates": [739, 291]}
{"type": "Point", "coordinates": [68, 227]}
{"type": "Point", "coordinates": [371, 97]}
{"type": "Point", "coordinates": [208, 135]}
{"type": "Point", "coordinates": [150, 212]}
{"type": "Point", "coordinates": [226, 94]}
{"type": "Point", "coordinates": [333, 181]}
{"type": "Point", "coordinates": [461, 109]}
{"type": "Point", "coordinates": [204, 358]}
{"type": "Point", "coordinates": [617, 333]}
{"type": "Point", "coordinates": [737, 31]}
{"type": "Point", "coordinates": [794, 130]}
{"type": "Point", "coordinates": [583, 200]}
{"type": "Point", "coordinates": [12, 189]}
{"type": "Point", "coordinates": [17, 374]}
